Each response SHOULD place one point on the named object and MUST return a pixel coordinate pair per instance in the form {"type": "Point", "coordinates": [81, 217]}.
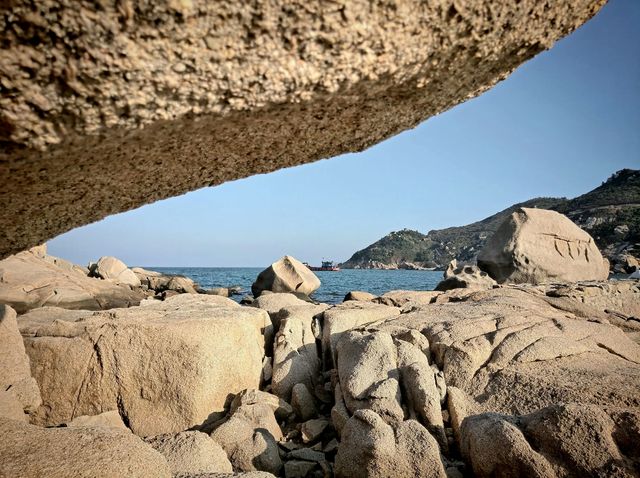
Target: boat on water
{"type": "Point", "coordinates": [326, 266]}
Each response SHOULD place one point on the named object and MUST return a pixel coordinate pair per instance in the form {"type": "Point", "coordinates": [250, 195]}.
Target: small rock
{"type": "Point", "coordinates": [303, 403]}
{"type": "Point", "coordinates": [306, 454]}
{"type": "Point", "coordinates": [281, 409]}
{"type": "Point", "coordinates": [453, 472]}
{"type": "Point", "coordinates": [445, 416]}
{"type": "Point", "coordinates": [331, 446]}
{"type": "Point", "coordinates": [222, 291]}
{"type": "Point", "coordinates": [312, 429]}
{"type": "Point", "coordinates": [191, 452]}
{"type": "Point", "coordinates": [179, 68]}
{"type": "Point", "coordinates": [298, 468]}
{"type": "Point", "coordinates": [109, 419]}
{"type": "Point", "coordinates": [359, 295]}
{"type": "Point", "coordinates": [289, 445]}
{"type": "Point", "coordinates": [267, 369]}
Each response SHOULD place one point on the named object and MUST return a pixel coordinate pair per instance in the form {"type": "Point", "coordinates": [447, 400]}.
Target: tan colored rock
{"type": "Point", "coordinates": [537, 246]}
{"type": "Point", "coordinates": [28, 281]}
{"type": "Point", "coordinates": [272, 303]}
{"type": "Point", "coordinates": [339, 413]}
{"type": "Point", "coordinates": [281, 409]}
{"type": "Point", "coordinates": [109, 419]}
{"type": "Point", "coordinates": [114, 270]}
{"type": "Point", "coordinates": [512, 352]}
{"type": "Point", "coordinates": [11, 408]}
{"type": "Point", "coordinates": [368, 372]}
{"type": "Point", "coordinates": [465, 277]}
{"type": "Point", "coordinates": [562, 440]}
{"type": "Point", "coordinates": [182, 109]}
{"type": "Point", "coordinates": [403, 298]}
{"type": "Point", "coordinates": [15, 372]}
{"type": "Point", "coordinates": [191, 452]}
{"type": "Point", "coordinates": [419, 389]}
{"type": "Point", "coordinates": [77, 452]}
{"type": "Point", "coordinates": [250, 474]}
{"type": "Point", "coordinates": [166, 367]}
{"type": "Point", "coordinates": [39, 251]}
{"type": "Point", "coordinates": [496, 447]}
{"type": "Point", "coordinates": [303, 403]}
{"type": "Point", "coordinates": [247, 437]}
{"type": "Point", "coordinates": [372, 448]}
{"type": "Point", "coordinates": [346, 316]}
{"type": "Point", "coordinates": [612, 301]}
{"type": "Point", "coordinates": [286, 275]}
{"type": "Point", "coordinates": [295, 355]}
{"type": "Point", "coordinates": [359, 295]}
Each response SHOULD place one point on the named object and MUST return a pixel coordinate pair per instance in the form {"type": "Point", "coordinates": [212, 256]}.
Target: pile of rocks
{"type": "Point", "coordinates": [475, 379]}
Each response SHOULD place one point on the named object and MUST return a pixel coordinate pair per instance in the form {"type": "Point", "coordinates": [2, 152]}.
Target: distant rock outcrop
{"type": "Point", "coordinates": [610, 213]}
{"type": "Point", "coordinates": [536, 246]}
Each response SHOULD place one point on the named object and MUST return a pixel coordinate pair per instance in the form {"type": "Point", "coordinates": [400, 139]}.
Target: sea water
{"type": "Point", "coordinates": [335, 285]}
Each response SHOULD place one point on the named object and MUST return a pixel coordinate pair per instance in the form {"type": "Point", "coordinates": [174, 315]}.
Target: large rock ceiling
{"type": "Point", "coordinates": [107, 106]}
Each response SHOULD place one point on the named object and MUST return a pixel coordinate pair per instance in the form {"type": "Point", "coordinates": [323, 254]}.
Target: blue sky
{"type": "Point", "coordinates": [558, 126]}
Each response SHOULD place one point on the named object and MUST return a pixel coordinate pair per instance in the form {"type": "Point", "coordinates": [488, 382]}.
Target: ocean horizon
{"type": "Point", "coordinates": [334, 285]}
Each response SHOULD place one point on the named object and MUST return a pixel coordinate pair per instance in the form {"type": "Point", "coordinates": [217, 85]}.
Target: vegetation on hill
{"type": "Point", "coordinates": [610, 213]}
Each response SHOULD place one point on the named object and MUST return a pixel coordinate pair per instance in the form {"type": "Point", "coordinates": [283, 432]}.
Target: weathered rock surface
{"type": "Point", "coordinates": [250, 474]}
{"type": "Point", "coordinates": [16, 384]}
{"type": "Point", "coordinates": [465, 277]}
{"type": "Point", "coordinates": [537, 246]}
{"type": "Point", "coordinates": [249, 437]}
{"type": "Point", "coordinates": [164, 367]}
{"type": "Point", "coordinates": [617, 302]}
{"type": "Point", "coordinates": [109, 419]}
{"type": "Point", "coordinates": [160, 282]}
{"type": "Point", "coordinates": [561, 440]}
{"type": "Point", "coordinates": [191, 452]}
{"type": "Point", "coordinates": [280, 408]}
{"type": "Point", "coordinates": [359, 295]}
{"type": "Point", "coordinates": [369, 376]}
{"type": "Point", "coordinates": [346, 316]}
{"type": "Point", "coordinates": [11, 408]}
{"type": "Point", "coordinates": [512, 362]}
{"type": "Point", "coordinates": [29, 280]}
{"type": "Point", "coordinates": [158, 100]}
{"type": "Point", "coordinates": [303, 403]}
{"type": "Point", "coordinates": [27, 450]}
{"type": "Point", "coordinates": [403, 298]}
{"type": "Point", "coordinates": [514, 353]}
{"type": "Point", "coordinates": [372, 448]}
{"type": "Point", "coordinates": [295, 354]}
{"type": "Point", "coordinates": [114, 270]}
{"type": "Point", "coordinates": [286, 275]}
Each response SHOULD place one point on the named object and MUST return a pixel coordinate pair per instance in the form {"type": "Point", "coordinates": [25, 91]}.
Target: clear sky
{"type": "Point", "coordinates": [558, 126]}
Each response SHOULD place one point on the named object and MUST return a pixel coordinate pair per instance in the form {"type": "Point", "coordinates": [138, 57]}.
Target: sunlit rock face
{"type": "Point", "coordinates": [110, 105]}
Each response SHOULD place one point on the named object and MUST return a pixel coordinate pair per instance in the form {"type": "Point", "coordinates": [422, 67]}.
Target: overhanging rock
{"type": "Point", "coordinates": [110, 105]}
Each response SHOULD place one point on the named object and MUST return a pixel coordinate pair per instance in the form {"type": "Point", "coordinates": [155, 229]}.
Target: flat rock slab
{"type": "Point", "coordinates": [29, 281]}
{"type": "Point", "coordinates": [161, 99]}
{"type": "Point", "coordinates": [164, 367]}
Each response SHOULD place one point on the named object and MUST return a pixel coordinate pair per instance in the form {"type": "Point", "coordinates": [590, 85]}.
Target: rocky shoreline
{"type": "Point", "coordinates": [507, 373]}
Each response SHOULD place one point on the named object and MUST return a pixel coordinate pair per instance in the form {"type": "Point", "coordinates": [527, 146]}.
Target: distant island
{"type": "Point", "coordinates": [610, 213]}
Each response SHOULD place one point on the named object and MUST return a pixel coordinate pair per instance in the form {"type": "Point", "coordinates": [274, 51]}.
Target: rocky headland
{"type": "Point", "coordinates": [610, 213]}
{"type": "Point", "coordinates": [527, 364]}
